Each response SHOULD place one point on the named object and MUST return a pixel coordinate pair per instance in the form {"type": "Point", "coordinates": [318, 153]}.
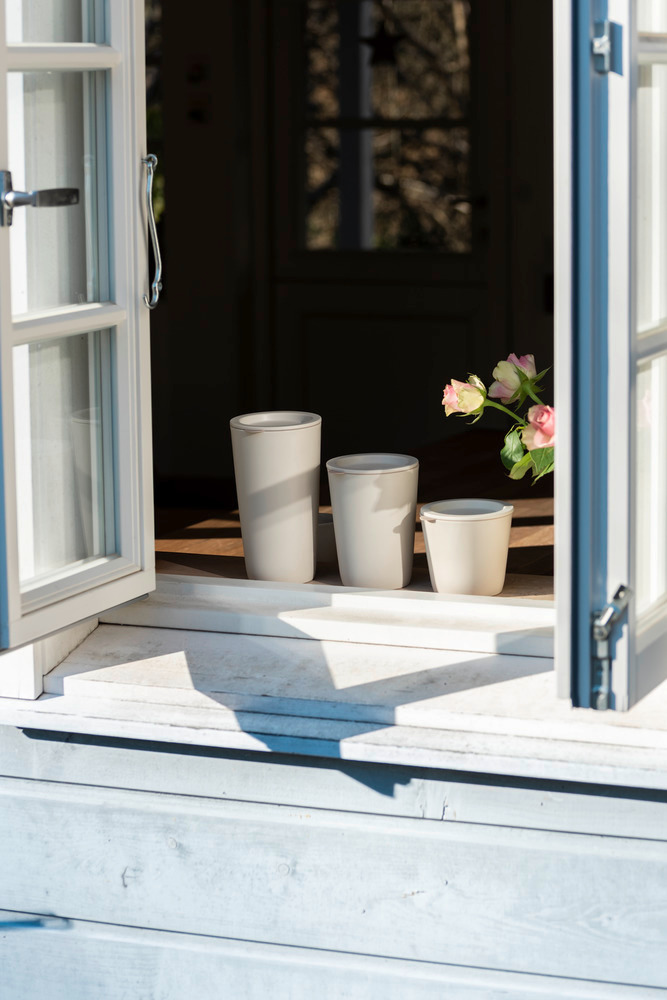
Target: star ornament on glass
{"type": "Point", "coordinates": [383, 46]}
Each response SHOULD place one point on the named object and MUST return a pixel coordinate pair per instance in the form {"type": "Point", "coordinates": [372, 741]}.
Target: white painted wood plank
{"type": "Point", "coordinates": [402, 618]}
{"type": "Point", "coordinates": [343, 785]}
{"type": "Point", "coordinates": [592, 763]}
{"type": "Point", "coordinates": [80, 960]}
{"type": "Point", "coordinates": [526, 901]}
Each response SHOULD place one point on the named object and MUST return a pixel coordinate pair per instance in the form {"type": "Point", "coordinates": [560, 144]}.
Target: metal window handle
{"type": "Point", "coordinates": [50, 198]}
{"type": "Point", "coordinates": [156, 286]}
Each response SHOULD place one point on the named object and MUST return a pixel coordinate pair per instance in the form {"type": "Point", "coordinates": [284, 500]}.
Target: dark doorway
{"type": "Point", "coordinates": [358, 207]}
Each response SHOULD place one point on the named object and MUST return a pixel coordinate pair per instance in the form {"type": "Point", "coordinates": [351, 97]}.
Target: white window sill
{"type": "Point", "coordinates": [422, 620]}
{"type": "Point", "coordinates": [473, 709]}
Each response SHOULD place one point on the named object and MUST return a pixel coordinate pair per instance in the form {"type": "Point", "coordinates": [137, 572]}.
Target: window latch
{"type": "Point", "coordinates": [50, 198]}
{"type": "Point", "coordinates": [602, 626]}
{"type": "Point", "coordinates": [606, 47]}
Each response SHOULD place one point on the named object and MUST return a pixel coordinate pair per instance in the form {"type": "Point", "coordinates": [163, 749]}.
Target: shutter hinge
{"type": "Point", "coordinates": [602, 626]}
{"type": "Point", "coordinates": [606, 38]}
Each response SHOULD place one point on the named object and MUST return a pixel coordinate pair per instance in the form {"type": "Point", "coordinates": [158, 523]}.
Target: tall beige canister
{"type": "Point", "coordinates": [277, 469]}
{"type": "Point", "coordinates": [374, 501]}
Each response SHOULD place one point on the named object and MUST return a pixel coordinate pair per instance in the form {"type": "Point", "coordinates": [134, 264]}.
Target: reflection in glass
{"type": "Point", "coordinates": [64, 454]}
{"type": "Point", "coordinates": [415, 183]}
{"type": "Point", "coordinates": [651, 479]}
{"type": "Point", "coordinates": [651, 195]}
{"type": "Point", "coordinates": [57, 133]}
{"type": "Point", "coordinates": [415, 54]}
{"type": "Point", "coordinates": [55, 21]}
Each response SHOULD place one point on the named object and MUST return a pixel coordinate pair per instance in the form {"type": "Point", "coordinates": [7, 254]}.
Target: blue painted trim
{"type": "Point", "coordinates": [589, 314]}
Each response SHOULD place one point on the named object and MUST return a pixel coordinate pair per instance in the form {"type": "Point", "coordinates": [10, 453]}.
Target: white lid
{"type": "Point", "coordinates": [468, 509]}
{"type": "Point", "coordinates": [372, 463]}
{"type": "Point", "coordinates": [274, 420]}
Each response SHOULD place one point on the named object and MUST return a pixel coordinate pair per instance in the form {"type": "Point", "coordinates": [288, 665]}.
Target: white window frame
{"type": "Point", "coordinates": [131, 573]}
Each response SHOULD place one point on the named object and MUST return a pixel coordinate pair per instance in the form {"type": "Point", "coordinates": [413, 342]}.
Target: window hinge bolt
{"type": "Point", "coordinates": [602, 625]}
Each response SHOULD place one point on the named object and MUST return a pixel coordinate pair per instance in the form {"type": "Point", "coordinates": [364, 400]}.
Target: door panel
{"type": "Point", "coordinates": [372, 364]}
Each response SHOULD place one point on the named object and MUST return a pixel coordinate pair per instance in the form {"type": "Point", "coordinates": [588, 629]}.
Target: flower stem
{"type": "Point", "coordinates": [533, 396]}
{"type": "Point", "coordinates": [498, 406]}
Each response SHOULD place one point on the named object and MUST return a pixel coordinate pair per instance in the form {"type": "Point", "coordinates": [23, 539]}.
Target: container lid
{"type": "Point", "coordinates": [468, 509]}
{"type": "Point", "coordinates": [274, 420]}
{"type": "Point", "coordinates": [372, 463]}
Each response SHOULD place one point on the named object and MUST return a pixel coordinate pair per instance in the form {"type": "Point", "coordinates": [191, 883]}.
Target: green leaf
{"type": "Point", "coordinates": [512, 450]}
{"type": "Point", "coordinates": [543, 460]}
{"type": "Point", "coordinates": [520, 468]}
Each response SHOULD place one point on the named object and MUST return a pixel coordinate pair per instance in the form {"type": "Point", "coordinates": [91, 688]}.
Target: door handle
{"type": "Point", "coordinates": [49, 198]}
{"type": "Point", "coordinates": [150, 163]}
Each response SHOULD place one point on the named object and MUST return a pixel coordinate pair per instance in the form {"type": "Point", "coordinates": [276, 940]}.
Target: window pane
{"type": "Point", "coordinates": [388, 189]}
{"type": "Point", "coordinates": [651, 457]}
{"type": "Point", "coordinates": [652, 195]}
{"type": "Point", "coordinates": [387, 58]}
{"type": "Point", "coordinates": [64, 455]}
{"type": "Point", "coordinates": [57, 134]}
{"type": "Point", "coordinates": [55, 21]}
{"type": "Point", "coordinates": [652, 16]}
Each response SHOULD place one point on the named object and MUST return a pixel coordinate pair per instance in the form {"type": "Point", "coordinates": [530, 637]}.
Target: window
{"type": "Point", "coordinates": [77, 522]}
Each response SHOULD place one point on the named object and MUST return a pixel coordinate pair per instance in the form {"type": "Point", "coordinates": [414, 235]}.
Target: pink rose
{"type": "Point", "coordinates": [541, 429]}
{"type": "Point", "coordinates": [464, 397]}
{"type": "Point", "coordinates": [526, 363]}
{"type": "Point", "coordinates": [508, 376]}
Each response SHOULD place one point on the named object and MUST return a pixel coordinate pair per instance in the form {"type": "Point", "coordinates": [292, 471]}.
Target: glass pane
{"type": "Point", "coordinates": [651, 502]}
{"type": "Point", "coordinates": [651, 195]}
{"type": "Point", "coordinates": [57, 132]}
{"type": "Point", "coordinates": [387, 58]}
{"type": "Point", "coordinates": [64, 455]}
{"type": "Point", "coordinates": [388, 189]}
{"type": "Point", "coordinates": [55, 21]}
{"type": "Point", "coordinates": [652, 16]}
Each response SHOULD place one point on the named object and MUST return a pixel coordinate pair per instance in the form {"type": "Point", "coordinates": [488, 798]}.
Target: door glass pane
{"type": "Point", "coordinates": [57, 130]}
{"type": "Point", "coordinates": [387, 141]}
{"type": "Point", "coordinates": [388, 189]}
{"type": "Point", "coordinates": [64, 455]}
{"type": "Point", "coordinates": [55, 21]}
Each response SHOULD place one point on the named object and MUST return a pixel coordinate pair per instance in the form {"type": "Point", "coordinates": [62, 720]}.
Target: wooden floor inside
{"type": "Point", "coordinates": [208, 543]}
